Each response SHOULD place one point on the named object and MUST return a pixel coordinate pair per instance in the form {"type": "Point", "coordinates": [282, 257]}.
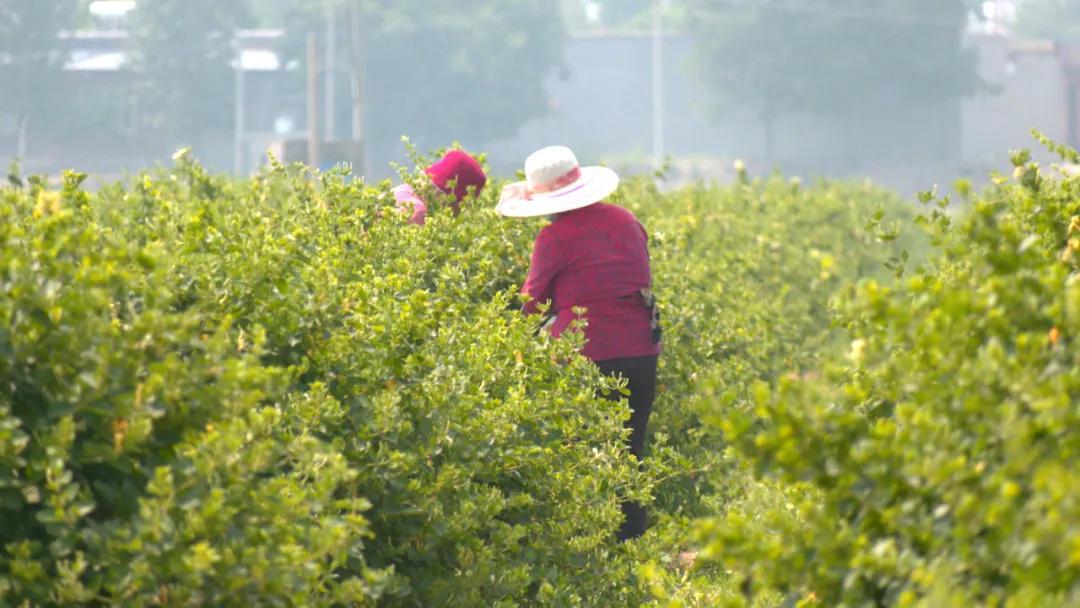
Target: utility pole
{"type": "Point", "coordinates": [356, 45]}
{"type": "Point", "coordinates": [657, 84]}
{"type": "Point", "coordinates": [240, 105]}
{"type": "Point", "coordinates": [312, 102]}
{"type": "Point", "coordinates": [22, 137]}
{"type": "Point", "coordinates": [330, 82]}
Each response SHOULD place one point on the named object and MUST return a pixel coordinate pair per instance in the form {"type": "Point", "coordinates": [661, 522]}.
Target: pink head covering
{"type": "Point", "coordinates": [460, 169]}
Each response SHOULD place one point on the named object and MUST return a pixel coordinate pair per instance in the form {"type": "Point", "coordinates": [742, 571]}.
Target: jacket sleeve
{"type": "Point", "coordinates": [544, 267]}
{"type": "Point", "coordinates": [648, 254]}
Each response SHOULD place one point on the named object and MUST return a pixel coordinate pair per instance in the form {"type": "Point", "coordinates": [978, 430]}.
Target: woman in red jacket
{"type": "Point", "coordinates": [593, 255]}
{"type": "Point", "coordinates": [457, 174]}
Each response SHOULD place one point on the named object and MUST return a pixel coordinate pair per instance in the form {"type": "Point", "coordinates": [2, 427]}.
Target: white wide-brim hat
{"type": "Point", "coordinates": [555, 182]}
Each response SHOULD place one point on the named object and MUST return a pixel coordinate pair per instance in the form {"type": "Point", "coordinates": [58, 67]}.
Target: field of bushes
{"type": "Point", "coordinates": [276, 392]}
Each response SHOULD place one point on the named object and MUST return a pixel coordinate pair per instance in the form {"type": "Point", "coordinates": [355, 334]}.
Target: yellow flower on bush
{"type": "Point", "coordinates": [858, 351]}
{"type": "Point", "coordinates": [48, 203]}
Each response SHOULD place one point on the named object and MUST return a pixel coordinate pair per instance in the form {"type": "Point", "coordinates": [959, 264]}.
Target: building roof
{"type": "Point", "coordinates": [107, 51]}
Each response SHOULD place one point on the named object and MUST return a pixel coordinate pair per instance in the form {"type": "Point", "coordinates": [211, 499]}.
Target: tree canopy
{"type": "Point", "coordinates": [1053, 19]}
{"type": "Point", "coordinates": [831, 56]}
{"type": "Point", "coordinates": [480, 68]}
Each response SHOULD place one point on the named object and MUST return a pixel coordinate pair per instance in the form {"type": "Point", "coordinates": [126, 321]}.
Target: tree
{"type": "Point", "coordinates": [1053, 19]}
{"type": "Point", "coordinates": [830, 56]}
{"type": "Point", "coordinates": [617, 12]}
{"type": "Point", "coordinates": [476, 69]}
{"type": "Point", "coordinates": [32, 58]}
{"type": "Point", "coordinates": [616, 15]}
{"type": "Point", "coordinates": [183, 53]}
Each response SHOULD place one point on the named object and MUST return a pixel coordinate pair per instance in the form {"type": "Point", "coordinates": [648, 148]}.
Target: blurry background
{"type": "Point", "coordinates": [908, 92]}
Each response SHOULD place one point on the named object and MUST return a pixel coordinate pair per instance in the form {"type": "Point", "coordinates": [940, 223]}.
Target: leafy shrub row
{"type": "Point", "coordinates": [747, 274]}
{"type": "Point", "coordinates": [275, 391]}
{"type": "Point", "coordinates": [223, 393]}
{"type": "Point", "coordinates": [934, 463]}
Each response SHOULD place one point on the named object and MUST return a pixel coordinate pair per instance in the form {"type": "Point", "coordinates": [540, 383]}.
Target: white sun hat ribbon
{"type": "Point", "coordinates": [555, 182]}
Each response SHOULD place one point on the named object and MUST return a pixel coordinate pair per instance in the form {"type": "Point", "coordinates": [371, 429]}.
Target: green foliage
{"type": "Point", "coordinates": [260, 392]}
{"type": "Point", "coordinates": [938, 457]}
{"type": "Point", "coordinates": [115, 481]}
{"type": "Point", "coordinates": [275, 391]}
{"type": "Point", "coordinates": [746, 275]}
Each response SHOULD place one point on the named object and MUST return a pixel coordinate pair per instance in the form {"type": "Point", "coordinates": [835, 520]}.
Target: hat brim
{"type": "Point", "coordinates": [595, 184]}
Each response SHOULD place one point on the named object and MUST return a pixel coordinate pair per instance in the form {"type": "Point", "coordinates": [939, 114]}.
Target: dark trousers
{"type": "Point", "coordinates": [640, 374]}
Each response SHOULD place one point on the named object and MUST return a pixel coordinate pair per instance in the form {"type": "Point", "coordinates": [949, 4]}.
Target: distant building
{"type": "Point", "coordinates": [99, 130]}
{"type": "Point", "coordinates": [109, 15]}
{"type": "Point", "coordinates": [106, 50]}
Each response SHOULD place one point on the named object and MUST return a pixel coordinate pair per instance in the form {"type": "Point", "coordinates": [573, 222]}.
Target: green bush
{"type": "Point", "coordinates": [277, 392]}
{"type": "Point", "coordinates": [219, 392]}
{"type": "Point", "coordinates": [747, 275]}
{"type": "Point", "coordinates": [936, 462]}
